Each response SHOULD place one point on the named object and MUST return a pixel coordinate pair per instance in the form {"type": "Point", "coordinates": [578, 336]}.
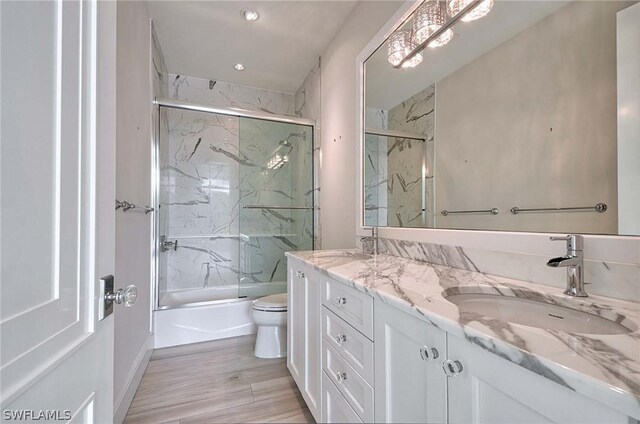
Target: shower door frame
{"type": "Point", "coordinates": [155, 179]}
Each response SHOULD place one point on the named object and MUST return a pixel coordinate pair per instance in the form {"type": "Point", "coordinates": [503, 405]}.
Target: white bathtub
{"type": "Point", "coordinates": [211, 313]}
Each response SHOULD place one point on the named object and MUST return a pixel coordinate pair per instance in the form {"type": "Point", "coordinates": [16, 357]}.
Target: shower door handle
{"type": "Point", "coordinates": [168, 245]}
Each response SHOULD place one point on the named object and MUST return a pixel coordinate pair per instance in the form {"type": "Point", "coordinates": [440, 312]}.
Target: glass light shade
{"type": "Point", "coordinates": [428, 19]}
{"type": "Point", "coordinates": [455, 6]}
{"type": "Point", "coordinates": [399, 46]}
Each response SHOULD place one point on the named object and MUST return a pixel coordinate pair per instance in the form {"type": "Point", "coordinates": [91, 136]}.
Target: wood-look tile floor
{"type": "Point", "coordinates": [217, 382]}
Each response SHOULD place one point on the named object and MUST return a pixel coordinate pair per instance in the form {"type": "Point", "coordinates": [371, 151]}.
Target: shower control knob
{"type": "Point", "coordinates": [128, 296]}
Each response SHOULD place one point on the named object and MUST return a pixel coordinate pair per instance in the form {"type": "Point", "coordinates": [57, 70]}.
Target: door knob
{"type": "Point", "coordinates": [128, 296]}
{"type": "Point", "coordinates": [108, 296]}
{"type": "Point", "coordinates": [428, 354]}
{"type": "Point", "coordinates": [452, 368]}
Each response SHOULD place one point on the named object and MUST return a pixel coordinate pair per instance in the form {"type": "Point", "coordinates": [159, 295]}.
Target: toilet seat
{"type": "Point", "coordinates": [272, 303]}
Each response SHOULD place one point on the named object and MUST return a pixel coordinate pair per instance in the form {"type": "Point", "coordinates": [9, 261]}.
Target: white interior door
{"type": "Point", "coordinates": [57, 208]}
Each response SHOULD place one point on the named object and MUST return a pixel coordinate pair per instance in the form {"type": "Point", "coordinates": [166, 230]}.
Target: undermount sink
{"type": "Point", "coordinates": [536, 314]}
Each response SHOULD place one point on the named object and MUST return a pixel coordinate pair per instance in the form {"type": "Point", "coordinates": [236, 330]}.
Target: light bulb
{"type": "Point", "coordinates": [455, 6]}
{"type": "Point", "coordinates": [250, 15]}
{"type": "Point", "coordinates": [400, 44]}
{"type": "Point", "coordinates": [428, 19]}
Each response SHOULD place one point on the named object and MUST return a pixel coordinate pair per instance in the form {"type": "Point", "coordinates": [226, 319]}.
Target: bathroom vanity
{"type": "Point", "coordinates": [379, 338]}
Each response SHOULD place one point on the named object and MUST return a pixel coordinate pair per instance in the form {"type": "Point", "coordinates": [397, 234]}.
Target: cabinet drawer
{"type": "Point", "coordinates": [335, 408]}
{"type": "Point", "coordinates": [349, 304]}
{"type": "Point", "coordinates": [355, 348]}
{"type": "Point", "coordinates": [352, 386]}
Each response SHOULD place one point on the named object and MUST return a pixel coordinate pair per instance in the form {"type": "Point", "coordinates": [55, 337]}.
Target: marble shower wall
{"type": "Point", "coordinates": [224, 94]}
{"type": "Point", "coordinates": [405, 161]}
{"type": "Point", "coordinates": [375, 169]}
{"type": "Point", "coordinates": [308, 104]}
{"type": "Point", "coordinates": [212, 165]}
{"type": "Point", "coordinates": [394, 183]}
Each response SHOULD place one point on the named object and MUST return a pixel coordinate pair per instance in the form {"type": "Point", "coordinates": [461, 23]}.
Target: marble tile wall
{"type": "Point", "coordinates": [224, 94]}
{"type": "Point", "coordinates": [375, 169]}
{"type": "Point", "coordinates": [397, 170]}
{"type": "Point", "coordinates": [415, 115]}
{"type": "Point", "coordinates": [212, 165]}
{"type": "Point", "coordinates": [308, 104]}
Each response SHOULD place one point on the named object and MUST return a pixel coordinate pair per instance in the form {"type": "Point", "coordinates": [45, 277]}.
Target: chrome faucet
{"type": "Point", "coordinates": [372, 238]}
{"type": "Point", "coordinates": [574, 262]}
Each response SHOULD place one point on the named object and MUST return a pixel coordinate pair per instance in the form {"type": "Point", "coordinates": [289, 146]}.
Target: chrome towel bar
{"type": "Point", "coordinates": [600, 208]}
{"type": "Point", "coordinates": [275, 207]}
{"type": "Point", "coordinates": [493, 211]}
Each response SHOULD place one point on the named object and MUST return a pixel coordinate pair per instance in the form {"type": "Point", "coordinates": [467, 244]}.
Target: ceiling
{"type": "Point", "coordinates": [386, 87]}
{"type": "Point", "coordinates": [207, 38]}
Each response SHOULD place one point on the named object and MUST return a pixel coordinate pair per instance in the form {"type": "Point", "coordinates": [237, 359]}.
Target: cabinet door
{"type": "Point", "coordinates": [304, 325]}
{"type": "Point", "coordinates": [411, 386]}
{"type": "Point", "coordinates": [312, 339]}
{"type": "Point", "coordinates": [490, 389]}
{"type": "Point", "coordinates": [335, 408]}
{"type": "Point", "coordinates": [295, 323]}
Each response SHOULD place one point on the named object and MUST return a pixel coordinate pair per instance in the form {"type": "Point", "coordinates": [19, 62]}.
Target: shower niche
{"type": "Point", "coordinates": [235, 193]}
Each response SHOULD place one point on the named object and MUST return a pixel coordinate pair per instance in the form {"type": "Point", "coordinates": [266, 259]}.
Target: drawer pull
{"type": "Point", "coordinates": [341, 301]}
{"type": "Point", "coordinates": [341, 376]}
{"type": "Point", "coordinates": [429, 354]}
{"type": "Point", "coordinates": [452, 368]}
{"type": "Point", "coordinates": [341, 338]}
{"type": "Point", "coordinates": [299, 274]}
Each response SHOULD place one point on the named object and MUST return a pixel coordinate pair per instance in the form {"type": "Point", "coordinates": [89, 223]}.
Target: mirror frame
{"type": "Point", "coordinates": [614, 248]}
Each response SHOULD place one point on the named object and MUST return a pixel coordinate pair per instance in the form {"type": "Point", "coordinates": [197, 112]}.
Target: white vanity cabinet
{"type": "Point", "coordinates": [411, 386]}
{"type": "Point", "coordinates": [304, 325]}
{"type": "Point", "coordinates": [490, 389]}
{"type": "Point", "coordinates": [353, 365]}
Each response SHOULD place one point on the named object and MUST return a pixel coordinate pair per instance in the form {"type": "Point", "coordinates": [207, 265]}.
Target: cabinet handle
{"type": "Point", "coordinates": [429, 354]}
{"type": "Point", "coordinates": [341, 376]}
{"type": "Point", "coordinates": [341, 300]}
{"type": "Point", "coordinates": [452, 368]}
{"type": "Point", "coordinates": [299, 274]}
{"type": "Point", "coordinates": [341, 338]}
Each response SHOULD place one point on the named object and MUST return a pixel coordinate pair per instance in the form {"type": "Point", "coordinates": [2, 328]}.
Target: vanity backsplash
{"type": "Point", "coordinates": [609, 279]}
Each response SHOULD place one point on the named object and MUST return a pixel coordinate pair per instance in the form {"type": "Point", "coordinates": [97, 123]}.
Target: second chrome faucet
{"type": "Point", "coordinates": [574, 262]}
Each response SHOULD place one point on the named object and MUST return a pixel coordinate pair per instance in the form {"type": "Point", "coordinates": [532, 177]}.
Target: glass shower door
{"type": "Point", "coordinates": [198, 217]}
{"type": "Point", "coordinates": [276, 201]}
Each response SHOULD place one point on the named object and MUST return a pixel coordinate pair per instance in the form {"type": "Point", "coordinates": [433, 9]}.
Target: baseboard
{"type": "Point", "coordinates": [123, 402]}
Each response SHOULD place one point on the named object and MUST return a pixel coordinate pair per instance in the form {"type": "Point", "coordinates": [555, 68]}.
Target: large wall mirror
{"type": "Point", "coordinates": [507, 120]}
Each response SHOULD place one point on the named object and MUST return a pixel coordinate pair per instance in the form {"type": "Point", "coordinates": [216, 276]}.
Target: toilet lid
{"type": "Point", "coordinates": [274, 302]}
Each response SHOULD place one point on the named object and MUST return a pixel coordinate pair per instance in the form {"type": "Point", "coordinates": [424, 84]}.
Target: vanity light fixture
{"type": "Point", "coordinates": [404, 50]}
{"type": "Point", "coordinates": [250, 15]}
{"type": "Point", "coordinates": [239, 67]}
{"type": "Point", "coordinates": [400, 44]}
{"type": "Point", "coordinates": [430, 17]}
{"type": "Point", "coordinates": [456, 6]}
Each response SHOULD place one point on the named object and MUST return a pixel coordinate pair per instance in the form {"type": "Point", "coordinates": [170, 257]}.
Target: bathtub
{"type": "Point", "coordinates": [211, 313]}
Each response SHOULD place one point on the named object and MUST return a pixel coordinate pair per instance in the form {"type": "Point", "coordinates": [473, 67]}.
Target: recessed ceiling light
{"type": "Point", "coordinates": [239, 66]}
{"type": "Point", "coordinates": [250, 14]}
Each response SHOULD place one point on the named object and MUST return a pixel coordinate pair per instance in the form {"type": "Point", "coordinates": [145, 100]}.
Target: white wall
{"type": "Point", "coordinates": [339, 113]}
{"type": "Point", "coordinates": [133, 229]}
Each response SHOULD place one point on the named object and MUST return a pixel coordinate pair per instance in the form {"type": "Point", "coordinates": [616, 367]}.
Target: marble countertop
{"type": "Point", "coordinates": [602, 367]}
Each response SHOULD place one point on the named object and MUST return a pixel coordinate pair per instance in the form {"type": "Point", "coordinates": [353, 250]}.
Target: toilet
{"type": "Point", "coordinates": [270, 315]}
